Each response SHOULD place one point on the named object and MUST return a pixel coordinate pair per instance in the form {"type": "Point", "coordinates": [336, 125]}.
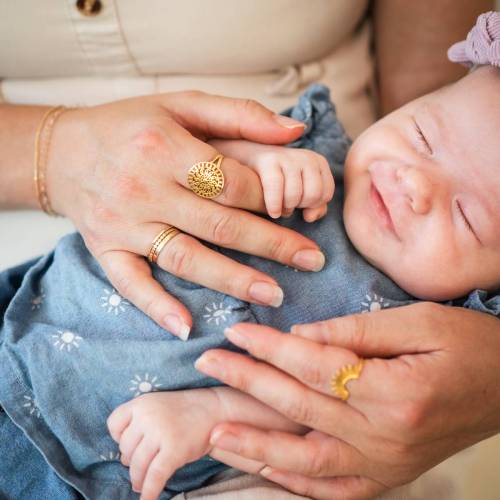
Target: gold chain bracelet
{"type": "Point", "coordinates": [42, 146]}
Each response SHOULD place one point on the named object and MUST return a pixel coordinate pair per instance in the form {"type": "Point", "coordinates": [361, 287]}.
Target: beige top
{"type": "Point", "coordinates": [269, 50]}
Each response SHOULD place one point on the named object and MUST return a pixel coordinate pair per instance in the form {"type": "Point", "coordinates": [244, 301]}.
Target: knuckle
{"type": "Point", "coordinates": [193, 94]}
{"type": "Point", "coordinates": [278, 248]}
{"type": "Point", "coordinates": [313, 376]}
{"type": "Point", "coordinates": [122, 282]}
{"type": "Point", "coordinates": [409, 416]}
{"type": "Point", "coordinates": [234, 188]}
{"type": "Point", "coordinates": [224, 228]}
{"type": "Point", "coordinates": [149, 138]}
{"type": "Point", "coordinates": [250, 105]}
{"type": "Point", "coordinates": [356, 329]}
{"type": "Point", "coordinates": [300, 411]}
{"type": "Point", "coordinates": [129, 187]}
{"type": "Point", "coordinates": [177, 257]}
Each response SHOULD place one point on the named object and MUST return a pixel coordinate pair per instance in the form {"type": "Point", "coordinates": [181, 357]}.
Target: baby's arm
{"type": "Point", "coordinates": [162, 431]}
{"type": "Point", "coordinates": [291, 178]}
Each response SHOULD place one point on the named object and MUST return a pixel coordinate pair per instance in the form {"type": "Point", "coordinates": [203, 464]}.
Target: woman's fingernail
{"type": "Point", "coordinates": [209, 365]}
{"type": "Point", "coordinates": [288, 122]}
{"type": "Point", "coordinates": [266, 293]}
{"type": "Point", "coordinates": [224, 440]}
{"type": "Point", "coordinates": [175, 325]}
{"type": "Point", "coordinates": [236, 338]}
{"type": "Point", "coordinates": [310, 260]}
{"type": "Point", "coordinates": [266, 471]}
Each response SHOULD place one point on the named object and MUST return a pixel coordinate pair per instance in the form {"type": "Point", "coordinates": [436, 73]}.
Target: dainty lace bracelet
{"type": "Point", "coordinates": [42, 147]}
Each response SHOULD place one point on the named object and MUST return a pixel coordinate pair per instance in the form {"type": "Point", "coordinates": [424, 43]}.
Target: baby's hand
{"type": "Point", "coordinates": [160, 432]}
{"type": "Point", "coordinates": [291, 178]}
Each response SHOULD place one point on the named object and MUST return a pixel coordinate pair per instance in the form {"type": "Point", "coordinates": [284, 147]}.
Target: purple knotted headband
{"type": "Point", "coordinates": [482, 45]}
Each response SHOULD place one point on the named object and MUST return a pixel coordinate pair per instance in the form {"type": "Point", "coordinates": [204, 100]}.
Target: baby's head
{"type": "Point", "coordinates": [423, 190]}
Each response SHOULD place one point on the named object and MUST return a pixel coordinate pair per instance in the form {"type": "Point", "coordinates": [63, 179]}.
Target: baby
{"type": "Point", "coordinates": [420, 196]}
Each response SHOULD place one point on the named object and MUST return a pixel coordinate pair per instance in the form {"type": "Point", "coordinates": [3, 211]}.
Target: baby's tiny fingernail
{"type": "Point", "coordinates": [310, 260]}
{"type": "Point", "coordinates": [175, 325]}
{"type": "Point", "coordinates": [266, 293]}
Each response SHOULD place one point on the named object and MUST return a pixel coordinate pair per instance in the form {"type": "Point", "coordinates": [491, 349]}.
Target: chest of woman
{"type": "Point", "coordinates": [57, 38]}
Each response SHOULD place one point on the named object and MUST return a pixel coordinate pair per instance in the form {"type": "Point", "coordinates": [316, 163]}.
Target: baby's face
{"type": "Point", "coordinates": [423, 190]}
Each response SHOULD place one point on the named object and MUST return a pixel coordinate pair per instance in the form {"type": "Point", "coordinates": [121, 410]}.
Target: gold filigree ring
{"type": "Point", "coordinates": [206, 179]}
{"type": "Point", "coordinates": [161, 239]}
{"type": "Point", "coordinates": [344, 375]}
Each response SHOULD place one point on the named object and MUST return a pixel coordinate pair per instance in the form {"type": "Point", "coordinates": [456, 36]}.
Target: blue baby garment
{"type": "Point", "coordinates": [72, 349]}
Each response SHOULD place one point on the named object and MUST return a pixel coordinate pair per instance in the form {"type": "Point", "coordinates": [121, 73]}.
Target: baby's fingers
{"type": "Point", "coordinates": [141, 459]}
{"type": "Point", "coordinates": [314, 214]}
{"type": "Point", "coordinates": [119, 420]}
{"type": "Point", "coordinates": [158, 473]}
{"type": "Point", "coordinates": [273, 184]}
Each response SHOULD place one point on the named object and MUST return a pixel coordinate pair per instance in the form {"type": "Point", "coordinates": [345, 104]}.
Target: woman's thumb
{"type": "Point", "coordinates": [228, 118]}
{"type": "Point", "coordinates": [386, 333]}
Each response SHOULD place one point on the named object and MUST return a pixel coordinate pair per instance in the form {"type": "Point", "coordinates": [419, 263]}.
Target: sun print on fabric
{"type": "Point", "coordinates": [142, 385]}
{"type": "Point", "coordinates": [217, 313]}
{"type": "Point", "coordinates": [66, 340]}
{"type": "Point", "coordinates": [113, 302]}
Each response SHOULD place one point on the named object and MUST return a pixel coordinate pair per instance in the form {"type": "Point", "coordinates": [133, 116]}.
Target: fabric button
{"type": "Point", "coordinates": [89, 7]}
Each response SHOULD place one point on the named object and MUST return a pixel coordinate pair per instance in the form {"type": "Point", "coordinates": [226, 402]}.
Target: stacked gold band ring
{"type": "Point", "coordinates": [344, 375]}
{"type": "Point", "coordinates": [160, 241]}
{"type": "Point", "coordinates": [206, 178]}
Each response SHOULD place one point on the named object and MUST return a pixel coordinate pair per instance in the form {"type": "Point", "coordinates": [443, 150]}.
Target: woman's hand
{"type": "Point", "coordinates": [119, 172]}
{"type": "Point", "coordinates": [430, 387]}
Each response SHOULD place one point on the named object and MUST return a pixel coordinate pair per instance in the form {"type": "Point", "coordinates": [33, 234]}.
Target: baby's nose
{"type": "Point", "coordinates": [417, 186]}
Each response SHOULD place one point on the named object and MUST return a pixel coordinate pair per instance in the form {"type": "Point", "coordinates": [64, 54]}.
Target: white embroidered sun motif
{"type": "Point", "coordinates": [37, 300]}
{"type": "Point", "coordinates": [113, 302]}
{"type": "Point", "coordinates": [31, 405]}
{"type": "Point", "coordinates": [110, 456]}
{"type": "Point", "coordinates": [374, 303]}
{"type": "Point", "coordinates": [65, 340]}
{"type": "Point", "coordinates": [217, 313]}
{"type": "Point", "coordinates": [144, 384]}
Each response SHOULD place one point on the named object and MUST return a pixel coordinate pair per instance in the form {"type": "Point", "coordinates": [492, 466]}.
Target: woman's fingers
{"type": "Point", "coordinates": [131, 276]}
{"type": "Point", "coordinates": [316, 368]}
{"type": "Point", "coordinates": [389, 332]}
{"type": "Point", "coordinates": [237, 461]}
{"type": "Point", "coordinates": [316, 457]}
{"type": "Point", "coordinates": [243, 231]}
{"type": "Point", "coordinates": [336, 488]}
{"type": "Point", "coordinates": [211, 116]}
{"type": "Point", "coordinates": [286, 395]}
{"type": "Point", "coordinates": [186, 257]}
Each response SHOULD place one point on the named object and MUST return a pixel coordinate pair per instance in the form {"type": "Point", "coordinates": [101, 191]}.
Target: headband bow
{"type": "Point", "coordinates": [482, 45]}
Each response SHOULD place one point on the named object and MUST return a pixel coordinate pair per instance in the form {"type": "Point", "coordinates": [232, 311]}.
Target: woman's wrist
{"type": "Point", "coordinates": [19, 125]}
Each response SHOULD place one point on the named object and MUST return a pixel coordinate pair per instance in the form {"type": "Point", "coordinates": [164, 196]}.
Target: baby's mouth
{"type": "Point", "coordinates": [381, 209]}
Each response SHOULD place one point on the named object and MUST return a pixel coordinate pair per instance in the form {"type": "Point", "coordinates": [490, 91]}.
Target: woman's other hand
{"type": "Point", "coordinates": [430, 387]}
{"type": "Point", "coordinates": [119, 172]}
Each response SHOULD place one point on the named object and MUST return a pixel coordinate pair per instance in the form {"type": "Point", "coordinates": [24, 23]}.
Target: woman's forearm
{"type": "Point", "coordinates": [18, 126]}
{"type": "Point", "coordinates": [411, 40]}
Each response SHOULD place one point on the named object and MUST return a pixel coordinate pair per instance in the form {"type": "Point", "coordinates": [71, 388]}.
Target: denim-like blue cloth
{"type": "Point", "coordinates": [72, 349]}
